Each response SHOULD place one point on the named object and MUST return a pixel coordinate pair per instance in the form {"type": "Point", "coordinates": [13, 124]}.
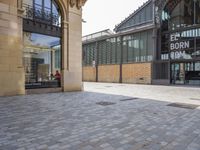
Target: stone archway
{"type": "Point", "coordinates": [11, 44]}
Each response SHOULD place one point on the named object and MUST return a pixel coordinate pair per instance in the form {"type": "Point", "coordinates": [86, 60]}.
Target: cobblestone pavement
{"type": "Point", "coordinates": [74, 121]}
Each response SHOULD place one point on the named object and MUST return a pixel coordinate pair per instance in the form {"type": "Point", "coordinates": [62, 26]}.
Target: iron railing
{"type": "Point", "coordinates": [41, 14]}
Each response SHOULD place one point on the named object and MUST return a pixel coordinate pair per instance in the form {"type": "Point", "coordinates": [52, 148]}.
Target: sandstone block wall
{"type": "Point", "coordinates": [11, 67]}
{"type": "Point", "coordinates": [12, 78]}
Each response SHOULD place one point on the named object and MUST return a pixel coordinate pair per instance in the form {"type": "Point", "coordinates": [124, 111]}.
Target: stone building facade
{"type": "Point", "coordinates": [28, 17]}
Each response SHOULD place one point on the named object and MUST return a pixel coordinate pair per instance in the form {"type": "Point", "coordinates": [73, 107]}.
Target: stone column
{"type": "Point", "coordinates": [11, 65]}
{"type": "Point", "coordinates": [72, 51]}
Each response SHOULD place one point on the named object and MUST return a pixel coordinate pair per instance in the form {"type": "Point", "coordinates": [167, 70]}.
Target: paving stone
{"type": "Point", "coordinates": [71, 121]}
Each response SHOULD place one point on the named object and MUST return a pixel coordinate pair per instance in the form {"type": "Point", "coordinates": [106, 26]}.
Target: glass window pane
{"type": "Point", "coordinates": [108, 46]}
{"type": "Point", "coordinates": [42, 60]}
{"type": "Point", "coordinates": [142, 13]}
{"type": "Point", "coordinates": [113, 51]}
{"type": "Point", "coordinates": [143, 46]}
{"type": "Point", "coordinates": [137, 19]}
{"type": "Point", "coordinates": [125, 50]}
{"type": "Point", "coordinates": [57, 57]}
{"type": "Point", "coordinates": [118, 52]}
{"type": "Point", "coordinates": [104, 52]}
{"type": "Point", "coordinates": [47, 4]}
{"type": "Point", "coordinates": [55, 9]}
{"type": "Point", "coordinates": [100, 53]}
{"type": "Point", "coordinates": [136, 46]}
{"type": "Point", "coordinates": [150, 47]}
{"type": "Point", "coordinates": [130, 51]}
{"type": "Point", "coordinates": [197, 66]}
{"type": "Point", "coordinates": [38, 2]}
{"type": "Point", "coordinates": [149, 12]}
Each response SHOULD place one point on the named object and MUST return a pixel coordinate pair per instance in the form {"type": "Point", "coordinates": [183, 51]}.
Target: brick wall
{"type": "Point", "coordinates": [89, 74]}
{"type": "Point", "coordinates": [136, 73]}
{"type": "Point", "coordinates": [139, 73]}
{"type": "Point", "coordinates": [11, 67]}
{"type": "Point", "coordinates": [109, 73]}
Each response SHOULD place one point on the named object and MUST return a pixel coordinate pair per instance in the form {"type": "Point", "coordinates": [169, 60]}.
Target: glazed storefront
{"type": "Point", "coordinates": [180, 41]}
{"type": "Point", "coordinates": [42, 44]}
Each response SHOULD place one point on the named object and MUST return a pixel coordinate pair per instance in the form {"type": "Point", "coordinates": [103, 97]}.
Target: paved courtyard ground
{"type": "Point", "coordinates": [104, 117]}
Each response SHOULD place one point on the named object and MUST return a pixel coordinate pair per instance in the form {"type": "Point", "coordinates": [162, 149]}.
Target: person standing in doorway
{"type": "Point", "coordinates": [58, 77]}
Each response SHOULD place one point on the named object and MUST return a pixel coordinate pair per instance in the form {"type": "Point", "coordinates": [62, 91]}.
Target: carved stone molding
{"type": "Point", "coordinates": [20, 10]}
{"type": "Point", "coordinates": [72, 3]}
{"type": "Point", "coordinates": [77, 3]}
{"type": "Point", "coordinates": [19, 4]}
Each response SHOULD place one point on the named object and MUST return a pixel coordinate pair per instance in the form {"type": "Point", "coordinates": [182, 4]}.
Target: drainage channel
{"type": "Point", "coordinates": [183, 105]}
{"type": "Point", "coordinates": [196, 99]}
{"type": "Point", "coordinates": [128, 99]}
{"type": "Point", "coordinates": [104, 103]}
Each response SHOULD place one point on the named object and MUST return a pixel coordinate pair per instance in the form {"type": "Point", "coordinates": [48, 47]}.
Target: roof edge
{"type": "Point", "coordinates": [132, 14]}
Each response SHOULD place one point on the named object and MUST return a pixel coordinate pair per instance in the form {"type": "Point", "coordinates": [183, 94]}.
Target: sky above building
{"type": "Point", "coordinates": [105, 14]}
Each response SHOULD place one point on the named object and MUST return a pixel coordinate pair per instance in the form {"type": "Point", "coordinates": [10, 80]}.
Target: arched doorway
{"type": "Point", "coordinates": [21, 20]}
{"type": "Point", "coordinates": [42, 39]}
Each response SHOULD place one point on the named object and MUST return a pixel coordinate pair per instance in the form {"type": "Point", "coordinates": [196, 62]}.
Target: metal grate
{"type": "Point", "coordinates": [108, 86]}
{"type": "Point", "coordinates": [128, 99]}
{"type": "Point", "coordinates": [183, 105]}
{"type": "Point", "coordinates": [121, 85]}
{"type": "Point", "coordinates": [105, 103]}
{"type": "Point", "coordinates": [198, 99]}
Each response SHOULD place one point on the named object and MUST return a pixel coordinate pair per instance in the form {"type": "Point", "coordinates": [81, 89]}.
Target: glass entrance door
{"type": "Point", "coordinates": [185, 73]}
{"type": "Point", "coordinates": [178, 73]}
{"type": "Point", "coordinates": [192, 73]}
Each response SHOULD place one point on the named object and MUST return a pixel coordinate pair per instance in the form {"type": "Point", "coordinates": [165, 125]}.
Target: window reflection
{"type": "Point", "coordinates": [45, 11]}
{"type": "Point", "coordinates": [47, 4]}
{"type": "Point", "coordinates": [180, 13]}
{"type": "Point", "coordinates": [42, 58]}
{"type": "Point", "coordinates": [183, 17]}
{"type": "Point", "coordinates": [38, 2]}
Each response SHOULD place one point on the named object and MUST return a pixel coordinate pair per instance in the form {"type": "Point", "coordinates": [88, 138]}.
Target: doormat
{"type": "Point", "coordinates": [183, 105]}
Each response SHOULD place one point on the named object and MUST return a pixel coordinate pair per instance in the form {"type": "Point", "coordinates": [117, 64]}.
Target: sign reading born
{"type": "Point", "coordinates": [178, 45]}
